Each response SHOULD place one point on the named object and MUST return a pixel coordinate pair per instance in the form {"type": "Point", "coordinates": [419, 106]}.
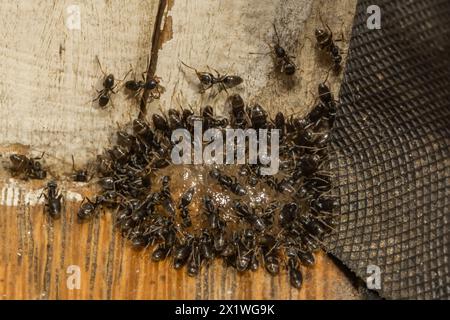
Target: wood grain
{"type": "Point", "coordinates": [36, 251]}
{"type": "Point", "coordinates": [55, 67]}
{"type": "Point", "coordinates": [49, 73]}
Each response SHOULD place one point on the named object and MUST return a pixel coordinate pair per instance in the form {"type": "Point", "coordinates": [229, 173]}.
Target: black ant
{"type": "Point", "coordinates": [53, 198]}
{"type": "Point", "coordinates": [206, 245]}
{"type": "Point", "coordinates": [325, 42]}
{"type": "Point", "coordinates": [88, 209]}
{"type": "Point", "coordinates": [147, 83]}
{"type": "Point", "coordinates": [186, 199]}
{"type": "Point", "coordinates": [326, 108]}
{"type": "Point", "coordinates": [109, 85]}
{"type": "Point", "coordinates": [167, 196]}
{"type": "Point", "coordinates": [284, 61]}
{"type": "Point", "coordinates": [208, 80]}
{"type": "Point", "coordinates": [237, 106]}
{"type": "Point", "coordinates": [80, 175]}
{"type": "Point", "coordinates": [250, 215]}
{"type": "Point", "coordinates": [28, 167]}
{"type": "Point", "coordinates": [228, 182]}
{"type": "Point", "coordinates": [295, 275]}
{"type": "Point", "coordinates": [212, 214]}
{"type": "Point", "coordinates": [182, 253]}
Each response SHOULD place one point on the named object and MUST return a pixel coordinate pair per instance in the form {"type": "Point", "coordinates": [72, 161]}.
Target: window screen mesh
{"type": "Point", "coordinates": [390, 149]}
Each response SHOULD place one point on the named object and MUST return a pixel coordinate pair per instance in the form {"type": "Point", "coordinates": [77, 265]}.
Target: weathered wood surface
{"type": "Point", "coordinates": [36, 252]}
{"type": "Point", "coordinates": [49, 72]}
{"type": "Point", "coordinates": [46, 85]}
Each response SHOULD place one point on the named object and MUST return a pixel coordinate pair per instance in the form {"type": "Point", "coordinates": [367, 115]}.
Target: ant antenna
{"type": "Point", "coordinates": [126, 75]}
{"type": "Point", "coordinates": [189, 66]}
{"type": "Point", "coordinates": [276, 33]}
{"type": "Point", "coordinates": [100, 65]}
{"type": "Point", "coordinates": [324, 24]}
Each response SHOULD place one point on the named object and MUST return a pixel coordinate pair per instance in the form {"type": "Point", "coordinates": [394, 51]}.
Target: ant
{"type": "Point", "coordinates": [53, 198]}
{"type": "Point", "coordinates": [327, 105]}
{"type": "Point", "coordinates": [29, 167]}
{"type": "Point", "coordinates": [295, 275]}
{"type": "Point", "coordinates": [250, 215]}
{"type": "Point", "coordinates": [270, 254]}
{"type": "Point", "coordinates": [258, 116]}
{"type": "Point", "coordinates": [109, 85]}
{"type": "Point", "coordinates": [186, 199]}
{"type": "Point", "coordinates": [325, 42]}
{"type": "Point", "coordinates": [228, 182]}
{"type": "Point", "coordinates": [166, 195]}
{"type": "Point", "coordinates": [239, 116]}
{"type": "Point", "coordinates": [149, 83]}
{"type": "Point", "coordinates": [80, 175]}
{"type": "Point", "coordinates": [284, 61]}
{"type": "Point", "coordinates": [208, 80]}
{"type": "Point", "coordinates": [182, 253]}
{"type": "Point", "coordinates": [212, 214]}
{"type": "Point", "coordinates": [88, 209]}
{"type": "Point", "coordinates": [206, 245]}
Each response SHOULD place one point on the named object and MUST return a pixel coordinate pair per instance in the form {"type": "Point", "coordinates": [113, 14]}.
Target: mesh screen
{"type": "Point", "coordinates": [390, 149]}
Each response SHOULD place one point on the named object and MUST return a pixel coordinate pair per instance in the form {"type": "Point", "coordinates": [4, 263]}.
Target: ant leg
{"type": "Point", "coordinates": [99, 95]}
{"type": "Point", "coordinates": [260, 53]}
{"type": "Point", "coordinates": [224, 87]}
{"type": "Point", "coordinates": [43, 194]}
{"type": "Point", "coordinates": [39, 158]}
{"type": "Point", "coordinates": [111, 102]}
{"type": "Point", "coordinates": [217, 72]}
{"type": "Point", "coordinates": [138, 91]}
{"type": "Point", "coordinates": [144, 76]}
{"type": "Point", "coordinates": [342, 33]}
{"type": "Point", "coordinates": [158, 94]}
{"type": "Point", "coordinates": [202, 90]}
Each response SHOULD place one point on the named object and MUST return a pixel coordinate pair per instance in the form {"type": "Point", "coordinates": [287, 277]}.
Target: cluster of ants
{"type": "Point", "coordinates": [287, 230]}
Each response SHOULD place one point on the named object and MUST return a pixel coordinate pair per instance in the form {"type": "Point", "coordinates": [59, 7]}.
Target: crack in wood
{"type": "Point", "coordinates": [157, 30]}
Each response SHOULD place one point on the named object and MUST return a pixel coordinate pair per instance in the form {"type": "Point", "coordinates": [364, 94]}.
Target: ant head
{"type": "Point", "coordinates": [109, 81]}
{"type": "Point", "coordinates": [159, 122]}
{"type": "Point", "coordinates": [51, 184]}
{"type": "Point", "coordinates": [320, 33]}
{"type": "Point", "coordinates": [205, 78]}
{"type": "Point", "coordinates": [151, 84]}
{"type": "Point", "coordinates": [323, 88]}
{"type": "Point", "coordinates": [215, 174]}
{"type": "Point", "coordinates": [289, 69]}
{"type": "Point", "coordinates": [279, 51]}
{"type": "Point", "coordinates": [166, 180]}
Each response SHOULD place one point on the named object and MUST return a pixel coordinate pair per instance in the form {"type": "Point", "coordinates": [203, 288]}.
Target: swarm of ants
{"type": "Point", "coordinates": [198, 226]}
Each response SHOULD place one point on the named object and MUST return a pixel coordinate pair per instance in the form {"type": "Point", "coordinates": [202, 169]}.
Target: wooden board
{"type": "Point", "coordinates": [48, 73]}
